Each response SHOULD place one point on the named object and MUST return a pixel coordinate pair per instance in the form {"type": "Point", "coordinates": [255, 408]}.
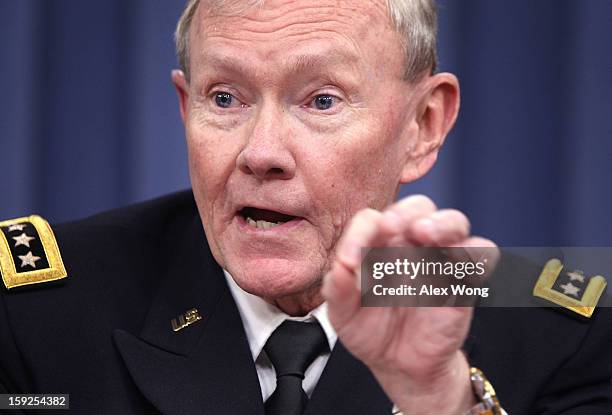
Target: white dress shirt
{"type": "Point", "coordinates": [260, 319]}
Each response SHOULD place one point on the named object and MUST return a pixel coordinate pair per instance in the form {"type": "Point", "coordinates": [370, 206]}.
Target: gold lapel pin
{"type": "Point", "coordinates": [186, 319]}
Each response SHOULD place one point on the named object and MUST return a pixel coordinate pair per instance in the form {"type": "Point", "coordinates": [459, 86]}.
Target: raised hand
{"type": "Point", "coordinates": [413, 352]}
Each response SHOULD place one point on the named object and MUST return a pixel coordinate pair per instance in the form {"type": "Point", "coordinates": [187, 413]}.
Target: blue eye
{"type": "Point", "coordinates": [323, 102]}
{"type": "Point", "coordinates": [223, 99]}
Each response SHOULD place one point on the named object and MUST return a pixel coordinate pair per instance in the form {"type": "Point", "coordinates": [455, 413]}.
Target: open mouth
{"type": "Point", "coordinates": [264, 218]}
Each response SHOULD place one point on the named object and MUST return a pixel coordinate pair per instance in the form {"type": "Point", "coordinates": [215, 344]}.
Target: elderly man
{"type": "Point", "coordinates": [302, 118]}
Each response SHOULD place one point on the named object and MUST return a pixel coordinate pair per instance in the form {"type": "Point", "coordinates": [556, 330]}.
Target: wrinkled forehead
{"type": "Point", "coordinates": [276, 27]}
{"type": "Point", "coordinates": [279, 23]}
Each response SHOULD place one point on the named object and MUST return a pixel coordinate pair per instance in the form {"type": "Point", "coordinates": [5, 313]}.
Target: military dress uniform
{"type": "Point", "coordinates": [129, 313]}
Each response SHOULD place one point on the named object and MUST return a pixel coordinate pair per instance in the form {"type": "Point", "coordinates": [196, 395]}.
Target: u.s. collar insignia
{"type": "Point", "coordinates": [29, 253]}
{"type": "Point", "coordinates": [572, 289]}
{"type": "Point", "coordinates": [186, 319]}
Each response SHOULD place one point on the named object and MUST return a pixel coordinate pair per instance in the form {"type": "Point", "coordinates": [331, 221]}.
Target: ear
{"type": "Point", "coordinates": [435, 116]}
{"type": "Point", "coordinates": [181, 85]}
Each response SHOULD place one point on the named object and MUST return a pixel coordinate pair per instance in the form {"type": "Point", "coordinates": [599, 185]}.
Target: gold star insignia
{"type": "Point", "coordinates": [36, 235]}
{"type": "Point", "coordinates": [18, 227]}
{"type": "Point", "coordinates": [570, 289]}
{"type": "Point", "coordinates": [28, 259]}
{"type": "Point", "coordinates": [576, 276]}
{"type": "Point", "coordinates": [23, 239]}
{"type": "Point", "coordinates": [585, 306]}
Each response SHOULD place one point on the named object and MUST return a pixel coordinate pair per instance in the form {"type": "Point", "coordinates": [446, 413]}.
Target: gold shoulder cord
{"type": "Point", "coordinates": [29, 253]}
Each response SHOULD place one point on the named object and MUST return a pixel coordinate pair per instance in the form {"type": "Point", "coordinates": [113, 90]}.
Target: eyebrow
{"type": "Point", "coordinates": [304, 63]}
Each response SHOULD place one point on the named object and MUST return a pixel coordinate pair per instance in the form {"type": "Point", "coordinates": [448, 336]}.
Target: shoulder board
{"type": "Point", "coordinates": [570, 289]}
{"type": "Point", "coordinates": [29, 253]}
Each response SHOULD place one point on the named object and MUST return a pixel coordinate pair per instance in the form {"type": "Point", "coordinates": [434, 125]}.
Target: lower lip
{"type": "Point", "coordinates": [242, 223]}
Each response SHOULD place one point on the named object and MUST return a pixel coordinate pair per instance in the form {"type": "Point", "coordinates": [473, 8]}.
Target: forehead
{"type": "Point", "coordinates": [269, 31]}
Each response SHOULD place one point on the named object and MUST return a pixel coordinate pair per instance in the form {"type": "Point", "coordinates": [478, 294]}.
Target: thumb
{"type": "Point", "coordinates": [342, 295]}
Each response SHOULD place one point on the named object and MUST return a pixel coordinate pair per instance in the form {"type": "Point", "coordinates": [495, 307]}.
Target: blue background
{"type": "Point", "coordinates": [89, 119]}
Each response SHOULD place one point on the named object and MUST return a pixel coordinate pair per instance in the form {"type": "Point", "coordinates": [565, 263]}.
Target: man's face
{"type": "Point", "coordinates": [297, 116]}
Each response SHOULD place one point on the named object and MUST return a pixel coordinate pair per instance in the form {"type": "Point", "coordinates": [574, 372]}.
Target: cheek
{"type": "Point", "coordinates": [211, 161]}
{"type": "Point", "coordinates": [360, 170]}
{"type": "Point", "coordinates": [379, 161]}
{"type": "Point", "coordinates": [365, 169]}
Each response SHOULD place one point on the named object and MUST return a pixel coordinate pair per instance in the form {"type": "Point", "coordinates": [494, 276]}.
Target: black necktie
{"type": "Point", "coordinates": [292, 347]}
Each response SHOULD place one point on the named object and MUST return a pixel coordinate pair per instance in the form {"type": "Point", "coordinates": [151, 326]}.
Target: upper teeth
{"type": "Point", "coordinates": [261, 224]}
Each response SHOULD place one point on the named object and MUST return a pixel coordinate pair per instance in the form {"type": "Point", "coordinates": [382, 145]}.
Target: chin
{"type": "Point", "coordinates": [274, 278]}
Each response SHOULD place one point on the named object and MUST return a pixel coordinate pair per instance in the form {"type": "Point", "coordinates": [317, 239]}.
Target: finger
{"type": "Point", "coordinates": [441, 228]}
{"type": "Point", "coordinates": [362, 231]}
{"type": "Point", "coordinates": [341, 294]}
{"type": "Point", "coordinates": [479, 247]}
{"type": "Point", "coordinates": [412, 208]}
{"type": "Point", "coordinates": [481, 250]}
{"type": "Point", "coordinates": [407, 211]}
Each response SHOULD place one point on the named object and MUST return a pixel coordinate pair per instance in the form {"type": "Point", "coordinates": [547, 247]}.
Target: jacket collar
{"type": "Point", "coordinates": [205, 367]}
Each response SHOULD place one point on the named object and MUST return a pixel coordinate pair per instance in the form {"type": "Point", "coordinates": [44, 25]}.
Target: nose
{"type": "Point", "coordinates": [265, 154]}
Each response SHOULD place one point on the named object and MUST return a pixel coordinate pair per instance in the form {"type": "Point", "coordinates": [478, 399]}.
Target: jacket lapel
{"type": "Point", "coordinates": [347, 387]}
{"type": "Point", "coordinates": [206, 367]}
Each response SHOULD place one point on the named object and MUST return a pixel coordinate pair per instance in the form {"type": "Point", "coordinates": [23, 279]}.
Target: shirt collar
{"type": "Point", "coordinates": [260, 318]}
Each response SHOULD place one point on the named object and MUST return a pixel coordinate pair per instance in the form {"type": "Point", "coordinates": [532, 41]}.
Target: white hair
{"type": "Point", "coordinates": [415, 21]}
